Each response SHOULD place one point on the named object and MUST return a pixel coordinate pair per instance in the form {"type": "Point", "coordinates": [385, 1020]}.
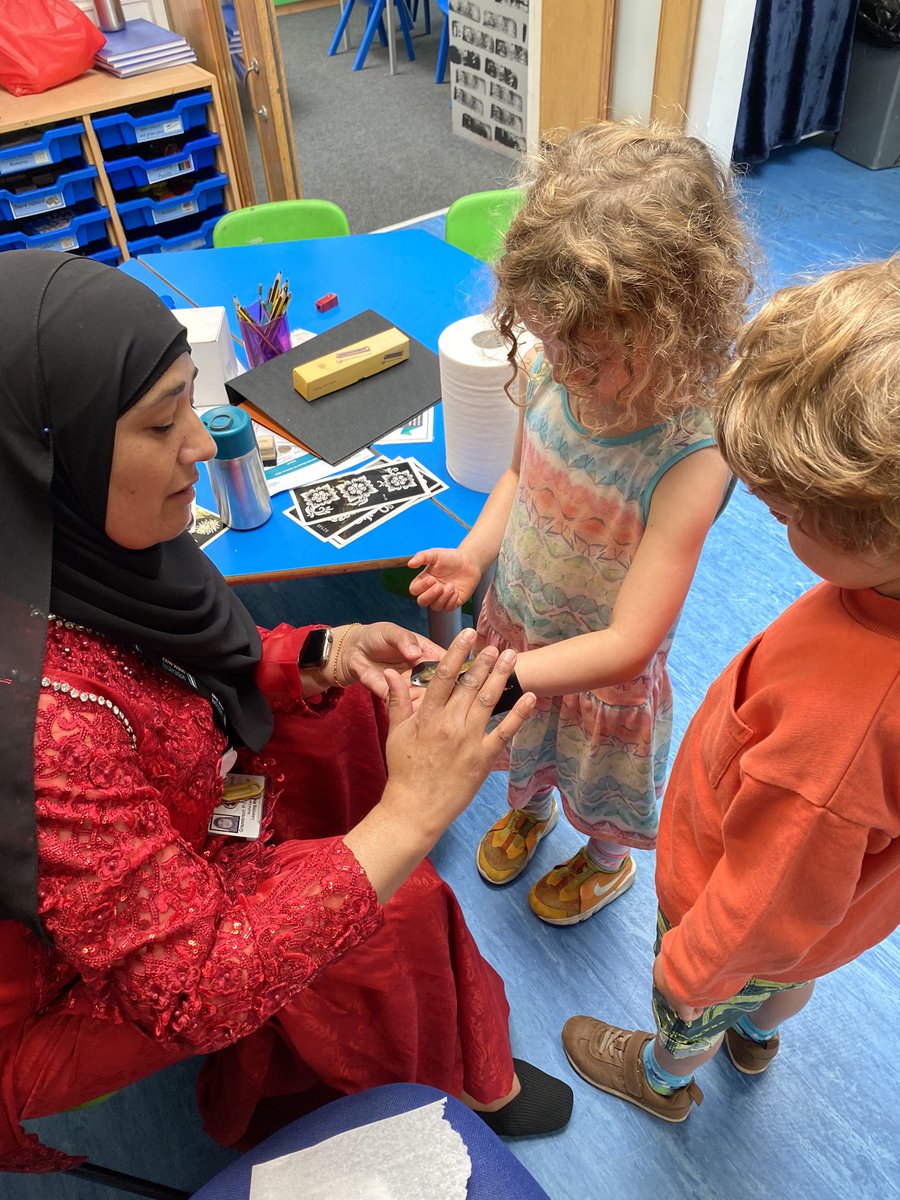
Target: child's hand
{"type": "Point", "coordinates": [447, 580]}
{"type": "Point", "coordinates": [685, 1011]}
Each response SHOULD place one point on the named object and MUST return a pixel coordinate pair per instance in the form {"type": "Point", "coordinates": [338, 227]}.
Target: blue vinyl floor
{"type": "Point", "coordinates": [823, 1123]}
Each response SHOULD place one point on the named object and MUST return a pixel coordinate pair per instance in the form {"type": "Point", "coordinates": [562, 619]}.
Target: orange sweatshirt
{"type": "Point", "coordinates": [779, 843]}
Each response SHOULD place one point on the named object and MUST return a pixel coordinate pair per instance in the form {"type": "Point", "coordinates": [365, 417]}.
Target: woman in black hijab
{"type": "Point", "coordinates": [129, 677]}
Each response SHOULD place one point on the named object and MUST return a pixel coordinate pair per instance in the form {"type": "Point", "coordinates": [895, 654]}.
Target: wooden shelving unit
{"type": "Point", "coordinates": [97, 92]}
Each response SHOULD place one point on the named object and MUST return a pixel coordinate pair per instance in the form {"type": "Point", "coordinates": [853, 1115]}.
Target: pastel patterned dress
{"type": "Point", "coordinates": [578, 518]}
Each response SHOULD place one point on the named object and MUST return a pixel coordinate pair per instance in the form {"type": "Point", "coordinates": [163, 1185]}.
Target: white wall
{"type": "Point", "coordinates": [150, 10]}
{"type": "Point", "coordinates": [634, 57]}
{"type": "Point", "coordinates": [723, 36]}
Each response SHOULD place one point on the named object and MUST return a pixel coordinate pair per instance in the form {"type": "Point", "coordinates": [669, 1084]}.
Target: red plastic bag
{"type": "Point", "coordinates": [44, 43]}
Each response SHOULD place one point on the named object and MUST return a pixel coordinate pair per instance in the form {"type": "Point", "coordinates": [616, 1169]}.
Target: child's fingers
{"type": "Point", "coordinates": [438, 596]}
{"type": "Point", "coordinates": [424, 558]}
{"type": "Point", "coordinates": [420, 582]}
{"type": "Point", "coordinates": [446, 598]}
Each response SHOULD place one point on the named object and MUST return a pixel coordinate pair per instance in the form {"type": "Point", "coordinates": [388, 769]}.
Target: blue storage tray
{"type": "Point", "coordinates": [207, 193]}
{"type": "Point", "coordinates": [51, 146]}
{"type": "Point", "coordinates": [109, 255]}
{"type": "Point", "coordinates": [57, 231]}
{"type": "Point", "coordinates": [195, 155]}
{"type": "Point", "coordinates": [128, 129]}
{"type": "Point", "coordinates": [198, 238]}
{"type": "Point", "coordinates": [69, 189]}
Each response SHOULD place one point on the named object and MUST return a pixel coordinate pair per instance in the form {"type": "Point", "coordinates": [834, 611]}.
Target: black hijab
{"type": "Point", "coordinates": [80, 343]}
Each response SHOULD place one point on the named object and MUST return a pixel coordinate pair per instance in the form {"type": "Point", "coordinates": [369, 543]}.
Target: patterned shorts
{"type": "Point", "coordinates": [683, 1039]}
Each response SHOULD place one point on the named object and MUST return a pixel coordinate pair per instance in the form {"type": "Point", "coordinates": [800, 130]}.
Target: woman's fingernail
{"type": "Point", "coordinates": [508, 656]}
{"type": "Point", "coordinates": [468, 635]}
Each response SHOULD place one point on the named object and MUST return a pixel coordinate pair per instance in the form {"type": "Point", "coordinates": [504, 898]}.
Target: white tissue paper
{"type": "Point", "coordinates": [479, 418]}
{"type": "Point", "coordinates": [416, 1155]}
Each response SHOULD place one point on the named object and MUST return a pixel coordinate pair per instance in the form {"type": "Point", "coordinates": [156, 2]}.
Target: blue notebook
{"type": "Point", "coordinates": [139, 40]}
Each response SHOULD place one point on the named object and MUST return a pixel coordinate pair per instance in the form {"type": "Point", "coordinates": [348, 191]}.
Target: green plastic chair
{"type": "Point", "coordinates": [477, 223]}
{"type": "Point", "coordinates": [281, 221]}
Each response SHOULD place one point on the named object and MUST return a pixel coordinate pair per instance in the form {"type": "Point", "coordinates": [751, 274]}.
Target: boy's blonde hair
{"type": "Point", "coordinates": [629, 237]}
{"type": "Point", "coordinates": [809, 411]}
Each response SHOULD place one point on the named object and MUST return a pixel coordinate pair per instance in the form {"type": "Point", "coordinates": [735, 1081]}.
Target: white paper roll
{"type": "Point", "coordinates": [479, 418]}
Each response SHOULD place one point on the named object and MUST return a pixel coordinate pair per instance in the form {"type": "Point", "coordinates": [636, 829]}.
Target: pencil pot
{"type": "Point", "coordinates": [263, 339]}
{"type": "Point", "coordinates": [236, 473]}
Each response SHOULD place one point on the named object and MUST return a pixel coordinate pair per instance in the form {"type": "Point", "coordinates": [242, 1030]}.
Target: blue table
{"type": "Point", "coordinates": [414, 280]}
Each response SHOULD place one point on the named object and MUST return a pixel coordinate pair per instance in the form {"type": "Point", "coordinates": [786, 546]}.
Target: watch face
{"type": "Point", "coordinates": [316, 648]}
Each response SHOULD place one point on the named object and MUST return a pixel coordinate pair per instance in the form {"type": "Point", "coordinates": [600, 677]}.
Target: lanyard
{"type": "Point", "coordinates": [192, 682]}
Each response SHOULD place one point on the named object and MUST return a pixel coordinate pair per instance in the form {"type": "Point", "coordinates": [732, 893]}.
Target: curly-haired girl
{"type": "Point", "coordinates": [629, 262]}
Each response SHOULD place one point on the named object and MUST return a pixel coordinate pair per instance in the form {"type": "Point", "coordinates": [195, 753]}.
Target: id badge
{"type": "Point", "coordinates": [240, 812]}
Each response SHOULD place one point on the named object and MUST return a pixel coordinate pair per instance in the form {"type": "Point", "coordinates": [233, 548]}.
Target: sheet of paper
{"type": "Point", "coordinates": [305, 468]}
{"type": "Point", "coordinates": [413, 1156]}
{"type": "Point", "coordinates": [417, 429]}
{"type": "Point", "coordinates": [341, 528]}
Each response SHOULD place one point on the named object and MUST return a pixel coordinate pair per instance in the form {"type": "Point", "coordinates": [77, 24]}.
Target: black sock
{"type": "Point", "coordinates": [543, 1105]}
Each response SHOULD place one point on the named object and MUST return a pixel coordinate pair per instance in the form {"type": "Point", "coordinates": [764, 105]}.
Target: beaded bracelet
{"type": "Point", "coordinates": [337, 653]}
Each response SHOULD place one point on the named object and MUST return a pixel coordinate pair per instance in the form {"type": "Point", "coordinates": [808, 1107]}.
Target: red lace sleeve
{"type": "Point", "coordinates": [278, 675]}
{"type": "Point", "coordinates": [196, 952]}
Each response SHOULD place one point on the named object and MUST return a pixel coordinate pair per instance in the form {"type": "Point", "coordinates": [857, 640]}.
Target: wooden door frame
{"type": "Point", "coordinates": [568, 100]}
{"type": "Point", "coordinates": [267, 88]}
{"type": "Point", "coordinates": [200, 22]}
{"type": "Point", "coordinates": [675, 43]}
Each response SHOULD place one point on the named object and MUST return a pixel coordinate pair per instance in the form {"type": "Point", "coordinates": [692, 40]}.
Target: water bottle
{"type": "Point", "coordinates": [236, 473]}
{"type": "Point", "coordinates": [109, 15]}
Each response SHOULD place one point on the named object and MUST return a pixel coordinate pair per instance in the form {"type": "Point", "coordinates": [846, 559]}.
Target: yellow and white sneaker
{"type": "Point", "coordinates": [509, 845]}
{"type": "Point", "coordinates": [576, 889]}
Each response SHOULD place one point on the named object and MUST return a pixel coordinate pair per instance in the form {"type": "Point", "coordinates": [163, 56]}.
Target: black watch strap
{"type": "Point", "coordinates": [510, 694]}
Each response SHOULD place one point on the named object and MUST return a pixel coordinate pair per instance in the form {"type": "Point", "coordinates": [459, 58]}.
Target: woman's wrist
{"type": "Point", "coordinates": [332, 672]}
{"type": "Point", "coordinates": [388, 846]}
{"type": "Point", "coordinates": [337, 670]}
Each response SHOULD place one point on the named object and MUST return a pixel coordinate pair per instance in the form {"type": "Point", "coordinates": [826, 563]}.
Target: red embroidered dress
{"type": "Point", "coordinates": [167, 941]}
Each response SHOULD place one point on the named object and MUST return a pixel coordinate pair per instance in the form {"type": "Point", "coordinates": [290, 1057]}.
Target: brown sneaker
{"type": "Point", "coordinates": [610, 1059]}
{"type": "Point", "coordinates": [509, 845]}
{"type": "Point", "coordinates": [750, 1058]}
{"type": "Point", "coordinates": [576, 889]}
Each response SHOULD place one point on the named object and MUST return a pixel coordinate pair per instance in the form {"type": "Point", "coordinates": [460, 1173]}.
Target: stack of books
{"type": "Point", "coordinates": [142, 46]}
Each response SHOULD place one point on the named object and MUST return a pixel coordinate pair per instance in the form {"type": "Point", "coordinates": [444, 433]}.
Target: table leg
{"type": "Point", "coordinates": [481, 591]}
{"type": "Point", "coordinates": [444, 626]}
{"type": "Point", "coordinates": [390, 34]}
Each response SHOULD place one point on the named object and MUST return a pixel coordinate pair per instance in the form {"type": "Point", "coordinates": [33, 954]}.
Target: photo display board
{"type": "Point", "coordinates": [488, 71]}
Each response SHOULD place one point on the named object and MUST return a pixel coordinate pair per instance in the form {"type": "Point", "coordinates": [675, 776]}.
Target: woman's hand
{"type": "Point", "coordinates": [362, 653]}
{"type": "Point", "coordinates": [437, 758]}
{"type": "Point", "coordinates": [447, 579]}
{"type": "Point", "coordinates": [441, 754]}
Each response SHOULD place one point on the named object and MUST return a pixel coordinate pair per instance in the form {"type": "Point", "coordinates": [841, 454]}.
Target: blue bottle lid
{"type": "Point", "coordinates": [231, 430]}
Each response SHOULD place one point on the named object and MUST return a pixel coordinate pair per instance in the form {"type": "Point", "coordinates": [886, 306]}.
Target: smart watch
{"type": "Point", "coordinates": [510, 694]}
{"type": "Point", "coordinates": [316, 649]}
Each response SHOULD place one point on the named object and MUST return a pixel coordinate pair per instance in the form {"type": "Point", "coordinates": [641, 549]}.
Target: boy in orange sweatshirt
{"type": "Point", "coordinates": [779, 845]}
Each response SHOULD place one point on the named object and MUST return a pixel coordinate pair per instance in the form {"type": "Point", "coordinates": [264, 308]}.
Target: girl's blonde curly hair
{"type": "Point", "coordinates": [809, 411]}
{"type": "Point", "coordinates": [631, 237]}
